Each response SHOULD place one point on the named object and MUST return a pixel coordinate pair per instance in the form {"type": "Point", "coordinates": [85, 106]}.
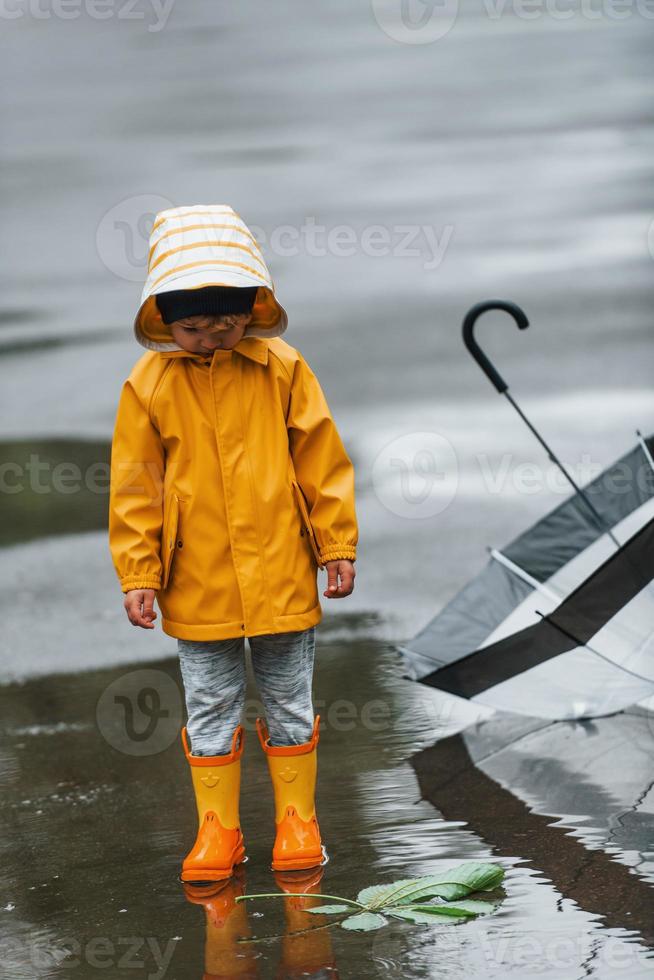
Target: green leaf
{"type": "Point", "coordinates": [453, 884]}
{"type": "Point", "coordinates": [328, 909]}
{"type": "Point", "coordinates": [458, 883]}
{"type": "Point", "coordinates": [364, 922]}
{"type": "Point", "coordinates": [464, 909]}
{"type": "Point", "coordinates": [374, 893]}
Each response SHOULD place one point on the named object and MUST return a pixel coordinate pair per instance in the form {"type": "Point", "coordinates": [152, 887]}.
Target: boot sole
{"type": "Point", "coordinates": [300, 864]}
{"type": "Point", "coordinates": [211, 875]}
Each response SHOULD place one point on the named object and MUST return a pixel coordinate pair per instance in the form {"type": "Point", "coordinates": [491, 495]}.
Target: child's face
{"type": "Point", "coordinates": [202, 334]}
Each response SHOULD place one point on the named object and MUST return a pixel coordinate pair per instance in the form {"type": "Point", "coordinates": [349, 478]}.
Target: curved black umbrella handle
{"type": "Point", "coordinates": [471, 318]}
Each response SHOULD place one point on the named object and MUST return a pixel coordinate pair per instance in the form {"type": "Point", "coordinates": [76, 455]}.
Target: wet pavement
{"type": "Point", "coordinates": [538, 191]}
{"type": "Point", "coordinates": [95, 820]}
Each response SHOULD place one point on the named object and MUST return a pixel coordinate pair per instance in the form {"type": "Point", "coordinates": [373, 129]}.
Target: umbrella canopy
{"type": "Point", "coordinates": [560, 623]}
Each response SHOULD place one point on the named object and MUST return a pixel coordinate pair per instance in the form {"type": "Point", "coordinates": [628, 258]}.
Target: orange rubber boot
{"type": "Point", "coordinates": [293, 770]}
{"type": "Point", "coordinates": [219, 842]}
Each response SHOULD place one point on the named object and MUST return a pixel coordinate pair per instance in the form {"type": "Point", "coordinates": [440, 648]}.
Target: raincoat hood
{"type": "Point", "coordinates": [204, 245]}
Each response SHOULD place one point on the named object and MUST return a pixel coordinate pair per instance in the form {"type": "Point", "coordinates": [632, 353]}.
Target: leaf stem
{"type": "Point", "coordinates": [334, 898]}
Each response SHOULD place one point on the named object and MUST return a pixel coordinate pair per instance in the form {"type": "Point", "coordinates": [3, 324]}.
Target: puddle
{"type": "Point", "coordinates": [91, 839]}
{"type": "Point", "coordinates": [53, 486]}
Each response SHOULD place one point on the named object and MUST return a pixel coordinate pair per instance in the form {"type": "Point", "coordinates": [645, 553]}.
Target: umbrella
{"type": "Point", "coordinates": [560, 623]}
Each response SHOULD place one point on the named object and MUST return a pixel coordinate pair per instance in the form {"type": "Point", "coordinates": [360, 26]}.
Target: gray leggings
{"type": "Point", "coordinates": [213, 672]}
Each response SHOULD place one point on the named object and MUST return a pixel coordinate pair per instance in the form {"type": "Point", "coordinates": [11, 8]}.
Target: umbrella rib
{"type": "Point", "coordinates": [525, 576]}
{"type": "Point", "coordinates": [645, 448]}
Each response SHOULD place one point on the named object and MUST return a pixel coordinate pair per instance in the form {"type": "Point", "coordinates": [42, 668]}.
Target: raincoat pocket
{"type": "Point", "coordinates": [307, 526]}
{"type": "Point", "coordinates": [169, 537]}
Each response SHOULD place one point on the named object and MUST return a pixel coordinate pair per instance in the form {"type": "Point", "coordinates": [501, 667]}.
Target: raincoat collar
{"type": "Point", "coordinates": [255, 348]}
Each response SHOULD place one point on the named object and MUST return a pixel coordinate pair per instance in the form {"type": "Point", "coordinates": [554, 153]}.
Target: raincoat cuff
{"type": "Point", "coordinates": [152, 582]}
{"type": "Point", "coordinates": [333, 553]}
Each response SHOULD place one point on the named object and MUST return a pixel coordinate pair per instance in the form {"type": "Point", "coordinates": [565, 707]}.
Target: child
{"type": "Point", "coordinates": [230, 486]}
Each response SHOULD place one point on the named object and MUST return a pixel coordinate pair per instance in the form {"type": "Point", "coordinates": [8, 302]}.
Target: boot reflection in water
{"type": "Point", "coordinates": [219, 843]}
{"type": "Point", "coordinates": [293, 770]}
{"type": "Point", "coordinates": [309, 955]}
{"type": "Point", "coordinates": [226, 924]}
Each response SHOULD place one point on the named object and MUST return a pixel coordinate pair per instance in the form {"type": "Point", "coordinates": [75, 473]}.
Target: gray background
{"type": "Point", "coordinates": [523, 144]}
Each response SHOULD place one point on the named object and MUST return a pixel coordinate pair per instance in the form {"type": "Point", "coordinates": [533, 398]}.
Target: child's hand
{"type": "Point", "coordinates": [136, 598]}
{"type": "Point", "coordinates": [343, 568]}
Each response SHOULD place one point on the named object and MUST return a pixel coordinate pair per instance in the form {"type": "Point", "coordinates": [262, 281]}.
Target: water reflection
{"type": "Point", "coordinates": [226, 923]}
{"type": "Point", "coordinates": [306, 946]}
{"type": "Point", "coordinates": [483, 776]}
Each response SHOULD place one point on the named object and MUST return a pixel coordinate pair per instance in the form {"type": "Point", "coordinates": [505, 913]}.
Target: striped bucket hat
{"type": "Point", "coordinates": [204, 245]}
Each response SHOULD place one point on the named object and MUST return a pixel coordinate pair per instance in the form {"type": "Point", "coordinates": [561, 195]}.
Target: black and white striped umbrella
{"type": "Point", "coordinates": [560, 623]}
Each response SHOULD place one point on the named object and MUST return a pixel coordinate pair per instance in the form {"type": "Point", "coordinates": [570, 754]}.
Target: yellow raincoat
{"type": "Point", "coordinates": [230, 484]}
